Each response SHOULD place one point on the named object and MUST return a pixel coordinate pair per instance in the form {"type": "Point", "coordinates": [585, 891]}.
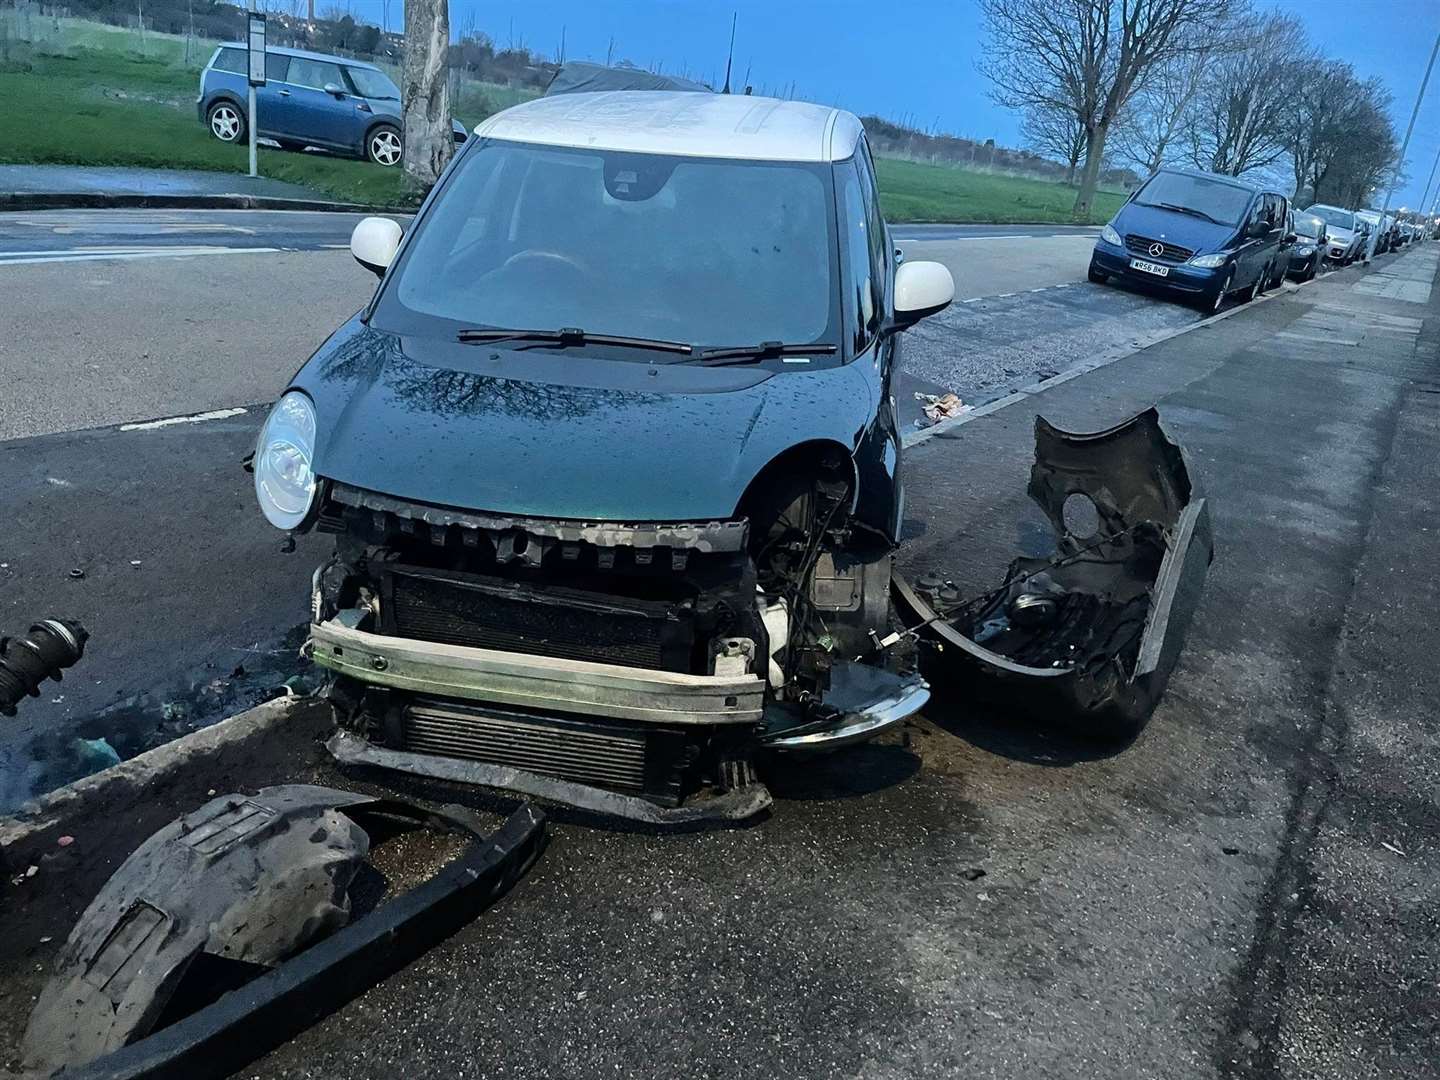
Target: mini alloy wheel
{"type": "Point", "coordinates": [226, 123]}
{"type": "Point", "coordinates": [384, 146]}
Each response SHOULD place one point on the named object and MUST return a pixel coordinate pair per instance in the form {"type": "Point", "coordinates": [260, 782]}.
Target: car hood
{"type": "Point", "coordinates": [1338, 234]}
{"type": "Point", "coordinates": [1175, 228]}
{"type": "Point", "coordinates": [561, 434]}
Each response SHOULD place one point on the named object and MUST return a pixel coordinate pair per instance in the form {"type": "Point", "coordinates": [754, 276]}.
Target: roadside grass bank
{"type": "Point", "coordinates": [87, 94]}
{"type": "Point", "coordinates": [100, 102]}
{"type": "Point", "coordinates": [911, 191]}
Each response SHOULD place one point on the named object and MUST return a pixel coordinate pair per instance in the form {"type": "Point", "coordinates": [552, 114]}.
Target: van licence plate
{"type": "Point", "coordinates": [1149, 267]}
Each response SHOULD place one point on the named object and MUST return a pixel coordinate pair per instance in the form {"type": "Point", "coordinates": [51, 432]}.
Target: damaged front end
{"type": "Point", "coordinates": [632, 669]}
{"type": "Point", "coordinates": [1087, 636]}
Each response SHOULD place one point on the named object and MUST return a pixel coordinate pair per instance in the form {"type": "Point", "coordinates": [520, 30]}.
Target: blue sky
{"type": "Point", "coordinates": [915, 59]}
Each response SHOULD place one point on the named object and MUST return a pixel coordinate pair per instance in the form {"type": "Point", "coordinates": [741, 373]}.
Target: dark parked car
{"type": "Point", "coordinates": [309, 99]}
{"type": "Point", "coordinates": [1201, 235]}
{"type": "Point", "coordinates": [613, 455]}
{"type": "Point", "coordinates": [1308, 250]}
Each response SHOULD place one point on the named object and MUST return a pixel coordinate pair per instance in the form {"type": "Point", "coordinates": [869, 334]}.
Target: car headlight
{"type": "Point", "coordinates": [1209, 262]}
{"type": "Point", "coordinates": [284, 480]}
{"type": "Point", "coordinates": [1305, 249]}
{"type": "Point", "coordinates": [1110, 236]}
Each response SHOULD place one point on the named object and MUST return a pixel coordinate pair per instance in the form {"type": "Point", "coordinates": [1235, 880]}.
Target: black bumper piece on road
{"type": "Point", "coordinates": [250, 1021]}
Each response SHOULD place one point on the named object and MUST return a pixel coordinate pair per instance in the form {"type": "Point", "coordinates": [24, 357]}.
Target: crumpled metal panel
{"type": "Point", "coordinates": [1148, 555]}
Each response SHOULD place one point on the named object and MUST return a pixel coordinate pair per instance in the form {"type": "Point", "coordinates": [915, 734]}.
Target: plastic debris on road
{"type": "Point", "coordinates": [939, 407]}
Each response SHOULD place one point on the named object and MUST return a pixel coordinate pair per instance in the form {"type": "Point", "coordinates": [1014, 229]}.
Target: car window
{"type": "Point", "coordinates": [369, 83]}
{"type": "Point", "coordinates": [275, 66]}
{"type": "Point", "coordinates": [232, 60]}
{"type": "Point", "coordinates": [706, 251]}
{"type": "Point", "coordinates": [314, 73]}
{"type": "Point", "coordinates": [874, 233]}
{"type": "Point", "coordinates": [1216, 199]}
{"type": "Point", "coordinates": [863, 314]}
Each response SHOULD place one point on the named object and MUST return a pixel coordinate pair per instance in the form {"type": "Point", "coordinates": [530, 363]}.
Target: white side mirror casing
{"type": "Point", "coordinates": [921, 289]}
{"type": "Point", "coordinates": [374, 243]}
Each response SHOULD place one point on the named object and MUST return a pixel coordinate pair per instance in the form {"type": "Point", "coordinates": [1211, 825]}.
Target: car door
{"type": "Point", "coordinates": [270, 99]}
{"type": "Point", "coordinates": [1255, 249]}
{"type": "Point", "coordinates": [314, 114]}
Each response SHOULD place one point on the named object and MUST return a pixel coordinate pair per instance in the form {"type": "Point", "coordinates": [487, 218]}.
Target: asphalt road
{"type": "Point", "coordinates": [1221, 899]}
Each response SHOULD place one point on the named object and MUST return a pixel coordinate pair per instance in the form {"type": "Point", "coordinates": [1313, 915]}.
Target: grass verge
{"type": "Point", "coordinates": [94, 101]}
{"type": "Point", "coordinates": [105, 107]}
{"type": "Point", "coordinates": [910, 191]}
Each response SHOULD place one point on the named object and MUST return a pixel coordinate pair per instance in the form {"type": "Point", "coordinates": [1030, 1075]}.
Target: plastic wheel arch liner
{"type": "Point", "coordinates": [1136, 477]}
{"type": "Point", "coordinates": [148, 925]}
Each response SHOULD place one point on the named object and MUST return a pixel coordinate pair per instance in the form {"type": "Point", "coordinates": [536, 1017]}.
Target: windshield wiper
{"type": "Point", "coordinates": [567, 337]}
{"type": "Point", "coordinates": [752, 354]}
{"type": "Point", "coordinates": [1187, 210]}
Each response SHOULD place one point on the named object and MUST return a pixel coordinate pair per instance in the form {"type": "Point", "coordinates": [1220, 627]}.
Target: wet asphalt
{"type": "Point", "coordinates": [1217, 899]}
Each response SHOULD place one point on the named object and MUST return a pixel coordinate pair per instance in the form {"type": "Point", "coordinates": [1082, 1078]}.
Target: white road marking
{"type": "Point", "coordinates": [171, 421]}
{"type": "Point", "coordinates": [76, 255]}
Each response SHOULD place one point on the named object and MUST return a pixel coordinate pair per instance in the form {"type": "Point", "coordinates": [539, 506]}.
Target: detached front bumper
{"type": "Point", "coordinates": [1182, 278]}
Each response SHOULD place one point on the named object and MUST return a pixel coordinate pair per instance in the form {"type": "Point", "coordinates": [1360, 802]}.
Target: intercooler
{"type": "Point", "coordinates": [638, 761]}
{"type": "Point", "coordinates": [473, 610]}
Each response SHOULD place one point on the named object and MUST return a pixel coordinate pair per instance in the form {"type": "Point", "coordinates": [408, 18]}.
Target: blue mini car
{"type": "Point", "coordinates": [309, 99]}
{"type": "Point", "coordinates": [1201, 235]}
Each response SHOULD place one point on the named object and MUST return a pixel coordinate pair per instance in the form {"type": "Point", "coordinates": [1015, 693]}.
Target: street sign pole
{"type": "Point", "coordinates": [1405, 146]}
{"type": "Point", "coordinates": [256, 57]}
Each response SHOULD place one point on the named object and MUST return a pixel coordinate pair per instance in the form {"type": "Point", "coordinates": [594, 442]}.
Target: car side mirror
{"type": "Point", "coordinates": [374, 243]}
{"type": "Point", "coordinates": [1258, 229]}
{"type": "Point", "coordinates": [921, 290]}
{"type": "Point", "coordinates": [1290, 238]}
{"type": "Point", "coordinates": [331, 88]}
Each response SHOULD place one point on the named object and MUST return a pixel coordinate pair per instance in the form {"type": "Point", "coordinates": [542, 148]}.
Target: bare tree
{"type": "Point", "coordinates": [1056, 132]}
{"type": "Point", "coordinates": [425, 90]}
{"type": "Point", "coordinates": [1158, 117]}
{"type": "Point", "coordinates": [1339, 127]}
{"type": "Point", "coordinates": [1244, 111]}
{"type": "Point", "coordinates": [1091, 56]}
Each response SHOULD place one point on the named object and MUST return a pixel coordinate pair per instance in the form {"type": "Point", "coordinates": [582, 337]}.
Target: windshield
{"type": "Point", "coordinates": [1307, 226]}
{"type": "Point", "coordinates": [1216, 199]}
{"type": "Point", "coordinates": [696, 250]}
{"type": "Point", "coordinates": [373, 84]}
{"type": "Point", "coordinates": [1341, 219]}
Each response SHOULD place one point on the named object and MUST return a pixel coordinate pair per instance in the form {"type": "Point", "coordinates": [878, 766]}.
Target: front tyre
{"type": "Point", "coordinates": [226, 122]}
{"type": "Point", "coordinates": [1213, 301]}
{"type": "Point", "coordinates": [383, 145]}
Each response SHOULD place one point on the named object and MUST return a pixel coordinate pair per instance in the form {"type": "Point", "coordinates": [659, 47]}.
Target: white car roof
{"type": "Point", "coordinates": [682, 124]}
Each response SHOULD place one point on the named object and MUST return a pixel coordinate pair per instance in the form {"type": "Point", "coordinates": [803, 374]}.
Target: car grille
{"type": "Point", "coordinates": [1141, 245]}
{"type": "Point", "coordinates": [492, 613]}
{"type": "Point", "coordinates": [605, 755]}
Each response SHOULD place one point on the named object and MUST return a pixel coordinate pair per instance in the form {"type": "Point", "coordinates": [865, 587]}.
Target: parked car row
{"type": "Point", "coordinates": [309, 99]}
{"type": "Point", "coordinates": [1206, 236]}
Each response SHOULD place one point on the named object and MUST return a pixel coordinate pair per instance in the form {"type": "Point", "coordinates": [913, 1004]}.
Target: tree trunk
{"type": "Point", "coordinates": [1090, 177]}
{"type": "Point", "coordinates": [429, 141]}
{"type": "Point", "coordinates": [1071, 166]}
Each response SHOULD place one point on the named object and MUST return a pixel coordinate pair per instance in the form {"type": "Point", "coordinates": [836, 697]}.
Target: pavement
{"type": "Point", "coordinates": [107, 180]}
{"type": "Point", "coordinates": [1248, 890]}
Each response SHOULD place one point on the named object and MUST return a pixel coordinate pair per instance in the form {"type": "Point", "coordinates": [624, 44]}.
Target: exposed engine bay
{"type": "Point", "coordinates": [644, 660]}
